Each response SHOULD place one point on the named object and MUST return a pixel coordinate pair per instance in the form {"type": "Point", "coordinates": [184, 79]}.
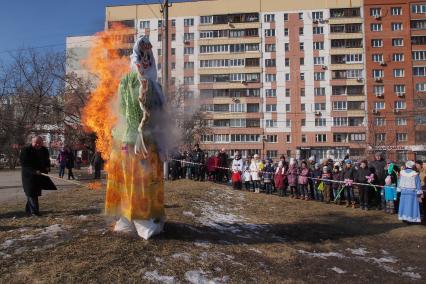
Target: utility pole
{"type": "Point", "coordinates": [165, 83]}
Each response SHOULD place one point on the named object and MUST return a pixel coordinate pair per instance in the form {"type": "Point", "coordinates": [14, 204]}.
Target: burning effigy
{"type": "Point", "coordinates": [131, 140]}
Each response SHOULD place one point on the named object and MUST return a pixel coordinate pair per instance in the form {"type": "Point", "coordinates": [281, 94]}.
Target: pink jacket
{"type": "Point", "coordinates": [303, 177]}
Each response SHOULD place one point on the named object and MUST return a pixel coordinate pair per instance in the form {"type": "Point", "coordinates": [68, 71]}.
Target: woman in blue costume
{"type": "Point", "coordinates": [409, 186]}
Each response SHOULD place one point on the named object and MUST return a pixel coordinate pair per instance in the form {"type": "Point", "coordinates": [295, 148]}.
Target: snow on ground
{"type": "Point", "coordinates": [155, 277]}
{"type": "Point", "coordinates": [338, 270]}
{"type": "Point", "coordinates": [200, 277]}
{"type": "Point", "coordinates": [387, 262]}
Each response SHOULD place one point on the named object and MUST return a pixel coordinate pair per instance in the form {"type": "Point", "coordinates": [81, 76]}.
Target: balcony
{"type": "Point", "coordinates": [345, 13]}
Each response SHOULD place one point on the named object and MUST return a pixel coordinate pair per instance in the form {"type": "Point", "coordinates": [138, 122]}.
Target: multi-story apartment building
{"type": "Point", "coordinates": [274, 77]}
{"type": "Point", "coordinates": [395, 38]}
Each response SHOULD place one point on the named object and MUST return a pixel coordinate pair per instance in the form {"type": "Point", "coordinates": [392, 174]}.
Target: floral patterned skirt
{"type": "Point", "coordinates": [135, 187]}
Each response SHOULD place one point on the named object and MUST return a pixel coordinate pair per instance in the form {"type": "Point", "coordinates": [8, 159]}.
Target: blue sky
{"type": "Point", "coordinates": [39, 23]}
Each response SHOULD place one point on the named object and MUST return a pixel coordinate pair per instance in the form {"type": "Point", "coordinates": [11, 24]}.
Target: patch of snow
{"type": "Point", "coordinates": [199, 277]}
{"type": "Point", "coordinates": [358, 251]}
{"type": "Point", "coordinates": [82, 217]}
{"type": "Point", "coordinates": [155, 277]}
{"type": "Point", "coordinates": [338, 270]}
{"type": "Point", "coordinates": [188, 213]}
{"type": "Point", "coordinates": [202, 244]}
{"type": "Point", "coordinates": [4, 255]}
{"type": "Point", "coordinates": [256, 250]}
{"type": "Point", "coordinates": [412, 275]}
{"type": "Point", "coordinates": [322, 255]}
{"type": "Point", "coordinates": [183, 256]}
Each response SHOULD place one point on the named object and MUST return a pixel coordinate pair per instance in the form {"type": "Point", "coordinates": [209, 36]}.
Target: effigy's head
{"type": "Point", "coordinates": [142, 58]}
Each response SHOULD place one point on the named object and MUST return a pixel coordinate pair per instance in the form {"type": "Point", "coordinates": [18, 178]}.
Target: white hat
{"type": "Point", "coordinates": [255, 156]}
{"type": "Point", "coordinates": [410, 164]}
{"type": "Point", "coordinates": [311, 158]}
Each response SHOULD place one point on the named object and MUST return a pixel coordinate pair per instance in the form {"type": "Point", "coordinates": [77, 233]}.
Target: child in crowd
{"type": "Point", "coordinates": [317, 174]}
{"type": "Point", "coordinates": [303, 181]}
{"type": "Point", "coordinates": [268, 172]}
{"type": "Point", "coordinates": [247, 178]}
{"type": "Point", "coordinates": [336, 176]}
{"type": "Point", "coordinates": [292, 174]}
{"type": "Point", "coordinates": [280, 179]}
{"type": "Point", "coordinates": [256, 168]}
{"type": "Point", "coordinates": [390, 195]}
{"type": "Point", "coordinates": [326, 184]}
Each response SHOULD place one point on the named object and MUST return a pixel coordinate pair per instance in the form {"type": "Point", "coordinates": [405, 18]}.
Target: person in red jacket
{"type": "Point", "coordinates": [212, 164]}
{"type": "Point", "coordinates": [280, 179]}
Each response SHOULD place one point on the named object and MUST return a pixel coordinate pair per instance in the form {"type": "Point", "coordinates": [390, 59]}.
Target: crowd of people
{"type": "Point", "coordinates": [378, 184]}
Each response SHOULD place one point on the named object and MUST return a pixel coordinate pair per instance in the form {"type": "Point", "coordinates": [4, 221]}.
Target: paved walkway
{"type": "Point", "coordinates": [11, 185]}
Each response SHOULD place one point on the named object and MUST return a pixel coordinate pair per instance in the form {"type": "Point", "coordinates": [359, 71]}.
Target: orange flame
{"type": "Point", "coordinates": [94, 185]}
{"type": "Point", "coordinates": [108, 66]}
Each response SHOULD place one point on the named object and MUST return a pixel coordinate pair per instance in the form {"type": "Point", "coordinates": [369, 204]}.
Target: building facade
{"type": "Point", "coordinates": [395, 39]}
{"type": "Point", "coordinates": [291, 77]}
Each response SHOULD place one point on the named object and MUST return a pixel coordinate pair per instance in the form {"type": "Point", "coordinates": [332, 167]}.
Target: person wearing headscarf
{"type": "Point", "coordinates": [292, 175]}
{"type": "Point", "coordinates": [410, 188]}
{"type": "Point", "coordinates": [280, 179]}
{"type": "Point", "coordinates": [135, 189]}
{"type": "Point", "coordinates": [348, 176]}
{"type": "Point", "coordinates": [256, 168]}
{"type": "Point", "coordinates": [237, 171]}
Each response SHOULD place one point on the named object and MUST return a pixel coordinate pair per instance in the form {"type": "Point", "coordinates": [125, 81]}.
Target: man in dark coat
{"type": "Point", "coordinates": [378, 168]}
{"type": "Point", "coordinates": [197, 159]}
{"type": "Point", "coordinates": [223, 163]}
{"type": "Point", "coordinates": [35, 160]}
{"type": "Point", "coordinates": [70, 159]}
{"type": "Point", "coordinates": [97, 162]}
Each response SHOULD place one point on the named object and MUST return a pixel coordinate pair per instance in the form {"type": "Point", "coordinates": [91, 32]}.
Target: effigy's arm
{"type": "Point", "coordinates": [140, 147]}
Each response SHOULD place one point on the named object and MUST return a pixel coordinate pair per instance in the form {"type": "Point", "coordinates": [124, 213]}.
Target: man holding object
{"type": "Point", "coordinates": [35, 160]}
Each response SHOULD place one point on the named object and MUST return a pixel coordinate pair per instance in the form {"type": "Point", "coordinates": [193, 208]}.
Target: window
{"type": "Point", "coordinates": [397, 42]}
{"type": "Point", "coordinates": [320, 138]}
{"type": "Point", "coordinates": [270, 92]}
{"type": "Point", "coordinates": [377, 43]}
{"type": "Point", "coordinates": [317, 15]}
{"type": "Point", "coordinates": [159, 37]}
{"type": "Point", "coordinates": [320, 122]}
{"type": "Point", "coordinates": [398, 73]}
{"type": "Point", "coordinates": [302, 107]}
{"type": "Point", "coordinates": [419, 71]}
{"type": "Point", "coordinates": [272, 153]}
{"type": "Point", "coordinates": [286, 46]}
{"type": "Point", "coordinates": [173, 65]}
{"type": "Point", "coordinates": [269, 18]}
{"type": "Point", "coordinates": [400, 105]}
{"type": "Point", "coordinates": [285, 17]}
{"type": "Point", "coordinates": [340, 105]}
{"type": "Point", "coordinates": [270, 47]}
{"type": "Point", "coordinates": [302, 92]}
{"type": "Point", "coordinates": [159, 52]}
{"type": "Point", "coordinates": [188, 80]}
{"type": "Point", "coordinates": [301, 16]}
{"type": "Point", "coordinates": [271, 123]}
{"type": "Point", "coordinates": [380, 137]}
{"type": "Point", "coordinates": [401, 137]}
{"type": "Point", "coordinates": [319, 76]}
{"type": "Point", "coordinates": [237, 108]}
{"type": "Point", "coordinates": [270, 77]}
{"type": "Point", "coordinates": [396, 11]}
{"type": "Point", "coordinates": [302, 46]}
{"type": "Point", "coordinates": [318, 30]}
{"type": "Point", "coordinates": [303, 138]}
{"type": "Point", "coordinates": [319, 60]}
{"type": "Point", "coordinates": [379, 105]}
{"type": "Point", "coordinates": [287, 139]}
{"type": "Point", "coordinates": [188, 65]}
{"type": "Point", "coordinates": [319, 92]}
{"type": "Point", "coordinates": [376, 27]}
{"type": "Point", "coordinates": [377, 57]}
{"type": "Point", "coordinates": [302, 76]}
{"type": "Point", "coordinates": [287, 62]}
{"type": "Point", "coordinates": [159, 23]}
{"type": "Point", "coordinates": [303, 122]}
{"type": "Point", "coordinates": [270, 62]}
{"type": "Point", "coordinates": [418, 8]}
{"type": "Point", "coordinates": [188, 36]}
{"type": "Point", "coordinates": [221, 138]}
{"type": "Point", "coordinates": [271, 108]}
{"type": "Point", "coordinates": [302, 61]}
{"type": "Point", "coordinates": [319, 106]}
{"type": "Point", "coordinates": [318, 45]}
{"type": "Point", "coordinates": [269, 32]}
{"type": "Point", "coordinates": [173, 51]}
{"type": "Point", "coordinates": [188, 22]}
{"type": "Point", "coordinates": [188, 50]}
{"type": "Point", "coordinates": [271, 138]}
{"type": "Point", "coordinates": [378, 90]}
{"type": "Point", "coordinates": [375, 12]}
{"type": "Point", "coordinates": [378, 73]}
{"type": "Point", "coordinates": [400, 121]}
{"type": "Point", "coordinates": [379, 121]}
{"type": "Point", "coordinates": [144, 24]}
{"type": "Point", "coordinates": [397, 57]}
{"type": "Point", "coordinates": [287, 76]}
{"type": "Point", "coordinates": [301, 31]}
{"type": "Point", "coordinates": [287, 123]}
{"type": "Point", "coordinates": [287, 107]}
{"type": "Point", "coordinates": [357, 137]}
{"type": "Point", "coordinates": [396, 26]}
{"type": "Point", "coordinates": [420, 87]}
{"type": "Point", "coordinates": [419, 55]}
{"type": "Point", "coordinates": [173, 23]}
{"type": "Point", "coordinates": [173, 37]}
{"type": "Point", "coordinates": [287, 92]}
{"type": "Point", "coordinates": [340, 121]}
{"type": "Point", "coordinates": [286, 32]}
{"type": "Point", "coordinates": [399, 89]}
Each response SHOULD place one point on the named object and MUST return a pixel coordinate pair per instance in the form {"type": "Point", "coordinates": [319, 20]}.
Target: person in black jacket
{"type": "Point", "coordinates": [378, 166]}
{"type": "Point", "coordinates": [198, 160]}
{"type": "Point", "coordinates": [70, 159]}
{"type": "Point", "coordinates": [348, 175]}
{"type": "Point", "coordinates": [35, 161]}
{"type": "Point", "coordinates": [361, 176]}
